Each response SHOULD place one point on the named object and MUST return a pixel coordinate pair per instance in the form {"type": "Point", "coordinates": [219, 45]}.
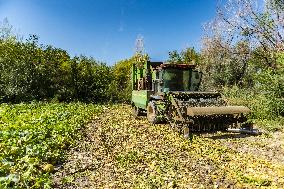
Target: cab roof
{"type": "Point", "coordinates": [170, 65]}
{"type": "Point", "coordinates": [182, 66]}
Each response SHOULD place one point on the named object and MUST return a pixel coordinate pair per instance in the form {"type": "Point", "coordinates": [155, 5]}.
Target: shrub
{"type": "Point", "coordinates": [29, 71]}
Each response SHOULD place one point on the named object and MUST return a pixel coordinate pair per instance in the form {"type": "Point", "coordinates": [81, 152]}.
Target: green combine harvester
{"type": "Point", "coordinates": [170, 93]}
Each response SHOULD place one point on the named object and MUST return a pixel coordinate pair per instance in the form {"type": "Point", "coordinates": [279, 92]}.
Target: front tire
{"type": "Point", "coordinates": [152, 113]}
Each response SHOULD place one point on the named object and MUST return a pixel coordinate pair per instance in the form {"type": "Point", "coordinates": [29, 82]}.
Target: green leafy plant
{"type": "Point", "coordinates": [34, 138]}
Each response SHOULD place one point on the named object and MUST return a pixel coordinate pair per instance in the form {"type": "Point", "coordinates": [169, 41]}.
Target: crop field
{"type": "Point", "coordinates": [34, 137]}
{"type": "Point", "coordinates": [76, 145]}
{"type": "Point", "coordinates": [118, 151]}
{"type": "Point", "coordinates": [70, 118]}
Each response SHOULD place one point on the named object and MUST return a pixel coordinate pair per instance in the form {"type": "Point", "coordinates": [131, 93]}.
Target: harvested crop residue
{"type": "Point", "coordinates": [122, 152]}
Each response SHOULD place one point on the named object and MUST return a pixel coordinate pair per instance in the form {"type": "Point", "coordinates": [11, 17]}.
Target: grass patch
{"type": "Point", "coordinates": [34, 137]}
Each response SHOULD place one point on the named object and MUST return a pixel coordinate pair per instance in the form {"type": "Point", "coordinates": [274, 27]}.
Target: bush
{"type": "Point", "coordinates": [265, 99]}
{"type": "Point", "coordinates": [121, 86]}
{"type": "Point", "coordinates": [267, 110]}
{"type": "Point", "coordinates": [29, 71]}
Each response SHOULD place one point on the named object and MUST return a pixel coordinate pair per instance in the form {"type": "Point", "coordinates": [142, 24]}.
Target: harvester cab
{"type": "Point", "coordinates": [170, 93]}
{"type": "Point", "coordinates": [180, 77]}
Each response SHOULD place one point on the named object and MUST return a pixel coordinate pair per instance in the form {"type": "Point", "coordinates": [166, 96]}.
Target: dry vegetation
{"type": "Point", "coordinates": [122, 152]}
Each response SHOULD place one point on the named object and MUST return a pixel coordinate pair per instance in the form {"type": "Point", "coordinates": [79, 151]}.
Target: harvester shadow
{"type": "Point", "coordinates": [215, 135]}
{"type": "Point", "coordinates": [225, 135]}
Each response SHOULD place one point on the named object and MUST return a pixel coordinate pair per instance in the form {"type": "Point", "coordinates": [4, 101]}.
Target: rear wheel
{"type": "Point", "coordinates": [136, 111]}
{"type": "Point", "coordinates": [152, 113]}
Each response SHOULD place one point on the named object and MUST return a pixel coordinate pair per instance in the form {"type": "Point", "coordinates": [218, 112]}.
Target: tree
{"type": "Point", "coordinates": [243, 38]}
{"type": "Point", "coordinates": [243, 46]}
{"type": "Point", "coordinates": [246, 20]}
{"type": "Point", "coordinates": [174, 57]}
{"type": "Point", "coordinates": [186, 56]}
{"type": "Point", "coordinates": [6, 30]}
{"type": "Point", "coordinates": [190, 56]}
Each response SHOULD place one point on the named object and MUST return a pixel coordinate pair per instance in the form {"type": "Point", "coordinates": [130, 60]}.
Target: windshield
{"type": "Point", "coordinates": [176, 80]}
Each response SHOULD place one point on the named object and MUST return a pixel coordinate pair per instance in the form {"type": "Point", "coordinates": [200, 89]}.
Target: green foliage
{"type": "Point", "coordinates": [35, 136]}
{"type": "Point", "coordinates": [190, 56]}
{"type": "Point", "coordinates": [140, 59]}
{"type": "Point", "coordinates": [90, 80]}
{"type": "Point", "coordinates": [249, 82]}
{"type": "Point", "coordinates": [121, 86]}
{"type": "Point", "coordinates": [267, 109]}
{"type": "Point", "coordinates": [29, 71]}
{"type": "Point", "coordinates": [265, 99]}
{"type": "Point", "coordinates": [244, 58]}
{"type": "Point", "coordinates": [175, 57]}
{"type": "Point", "coordinates": [272, 83]}
{"type": "Point", "coordinates": [187, 56]}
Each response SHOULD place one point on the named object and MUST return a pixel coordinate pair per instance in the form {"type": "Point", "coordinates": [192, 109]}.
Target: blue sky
{"type": "Point", "coordinates": [107, 29]}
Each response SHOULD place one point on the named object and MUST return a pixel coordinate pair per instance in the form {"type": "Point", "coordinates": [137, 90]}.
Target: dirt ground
{"type": "Point", "coordinates": [119, 151]}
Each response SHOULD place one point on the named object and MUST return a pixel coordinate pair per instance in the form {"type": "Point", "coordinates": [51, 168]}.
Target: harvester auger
{"type": "Point", "coordinates": [169, 92]}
